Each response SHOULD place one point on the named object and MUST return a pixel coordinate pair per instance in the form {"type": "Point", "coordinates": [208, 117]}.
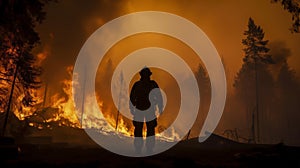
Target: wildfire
{"type": "Point", "coordinates": [66, 104]}
{"type": "Point", "coordinates": [61, 110]}
{"type": "Point", "coordinates": [23, 112]}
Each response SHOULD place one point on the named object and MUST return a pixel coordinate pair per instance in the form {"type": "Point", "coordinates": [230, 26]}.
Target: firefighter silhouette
{"type": "Point", "coordinates": [145, 97]}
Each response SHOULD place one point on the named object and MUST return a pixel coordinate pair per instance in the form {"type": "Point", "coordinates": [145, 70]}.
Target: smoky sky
{"type": "Point", "coordinates": [68, 24]}
{"type": "Point", "coordinates": [66, 29]}
{"type": "Point", "coordinates": [279, 51]}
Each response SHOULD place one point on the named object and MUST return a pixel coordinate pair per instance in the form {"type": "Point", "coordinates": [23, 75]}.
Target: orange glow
{"type": "Point", "coordinates": [66, 110]}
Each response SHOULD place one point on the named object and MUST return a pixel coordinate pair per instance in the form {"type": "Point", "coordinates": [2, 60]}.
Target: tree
{"type": "Point", "coordinates": [19, 72]}
{"type": "Point", "coordinates": [205, 97]}
{"type": "Point", "coordinates": [292, 6]}
{"type": "Point", "coordinates": [103, 82]}
{"type": "Point", "coordinates": [254, 80]}
{"type": "Point", "coordinates": [288, 103]}
{"type": "Point", "coordinates": [204, 88]}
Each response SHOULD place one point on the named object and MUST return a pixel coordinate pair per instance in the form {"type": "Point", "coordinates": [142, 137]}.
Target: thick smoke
{"type": "Point", "coordinates": [279, 51]}
{"type": "Point", "coordinates": [71, 24]}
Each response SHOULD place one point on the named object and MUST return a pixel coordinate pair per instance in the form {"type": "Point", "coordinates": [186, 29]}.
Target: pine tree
{"type": "Point", "coordinates": [255, 46]}
{"type": "Point", "coordinates": [19, 71]}
{"type": "Point", "coordinates": [205, 97]}
{"type": "Point", "coordinates": [292, 6]}
{"type": "Point", "coordinates": [254, 79]}
{"type": "Point", "coordinates": [288, 103]}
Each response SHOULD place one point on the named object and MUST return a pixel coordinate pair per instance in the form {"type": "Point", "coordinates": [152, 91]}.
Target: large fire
{"type": "Point", "coordinates": [61, 111]}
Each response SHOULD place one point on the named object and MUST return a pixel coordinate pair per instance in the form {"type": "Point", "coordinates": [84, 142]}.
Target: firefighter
{"type": "Point", "coordinates": [145, 97]}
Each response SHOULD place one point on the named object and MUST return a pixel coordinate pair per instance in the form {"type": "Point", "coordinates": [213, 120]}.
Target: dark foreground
{"type": "Point", "coordinates": [190, 153]}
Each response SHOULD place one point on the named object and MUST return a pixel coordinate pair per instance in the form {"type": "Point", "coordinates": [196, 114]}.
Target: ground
{"type": "Point", "coordinates": [215, 152]}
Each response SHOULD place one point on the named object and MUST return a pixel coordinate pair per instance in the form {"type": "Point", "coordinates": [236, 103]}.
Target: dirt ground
{"type": "Point", "coordinates": [188, 153]}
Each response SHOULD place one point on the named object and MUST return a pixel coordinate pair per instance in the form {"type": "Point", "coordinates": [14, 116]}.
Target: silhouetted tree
{"type": "Point", "coordinates": [292, 6]}
{"type": "Point", "coordinates": [19, 72]}
{"type": "Point", "coordinates": [254, 81]}
{"type": "Point", "coordinates": [204, 87]}
{"type": "Point", "coordinates": [288, 102]}
{"type": "Point", "coordinates": [205, 93]}
{"type": "Point", "coordinates": [103, 82]}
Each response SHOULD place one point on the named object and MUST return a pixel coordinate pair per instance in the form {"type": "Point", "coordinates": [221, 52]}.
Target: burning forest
{"type": "Point", "coordinates": [60, 111]}
{"type": "Point", "coordinates": [243, 63]}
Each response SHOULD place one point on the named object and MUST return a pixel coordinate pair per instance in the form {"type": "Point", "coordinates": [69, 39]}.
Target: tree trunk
{"type": "Point", "coordinates": [83, 98]}
{"type": "Point", "coordinates": [9, 101]}
{"type": "Point", "coordinates": [257, 101]}
{"type": "Point", "coordinates": [119, 103]}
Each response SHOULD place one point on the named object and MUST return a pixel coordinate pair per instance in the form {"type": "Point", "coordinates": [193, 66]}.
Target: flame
{"type": "Point", "coordinates": [41, 57]}
{"type": "Point", "coordinates": [24, 112]}
{"type": "Point", "coordinates": [94, 119]}
{"type": "Point", "coordinates": [91, 118]}
{"type": "Point", "coordinates": [122, 127]}
{"type": "Point", "coordinates": [65, 104]}
{"type": "Point", "coordinates": [61, 109]}
{"type": "Point", "coordinates": [169, 136]}
{"type": "Point", "coordinates": [46, 51]}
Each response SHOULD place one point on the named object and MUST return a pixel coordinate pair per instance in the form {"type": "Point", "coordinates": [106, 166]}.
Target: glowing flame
{"type": "Point", "coordinates": [64, 113]}
{"type": "Point", "coordinates": [66, 104]}
{"type": "Point", "coordinates": [61, 111]}
{"type": "Point", "coordinates": [23, 112]}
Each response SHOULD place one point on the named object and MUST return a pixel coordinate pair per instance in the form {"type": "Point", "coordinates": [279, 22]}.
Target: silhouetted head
{"type": "Point", "coordinates": [145, 73]}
